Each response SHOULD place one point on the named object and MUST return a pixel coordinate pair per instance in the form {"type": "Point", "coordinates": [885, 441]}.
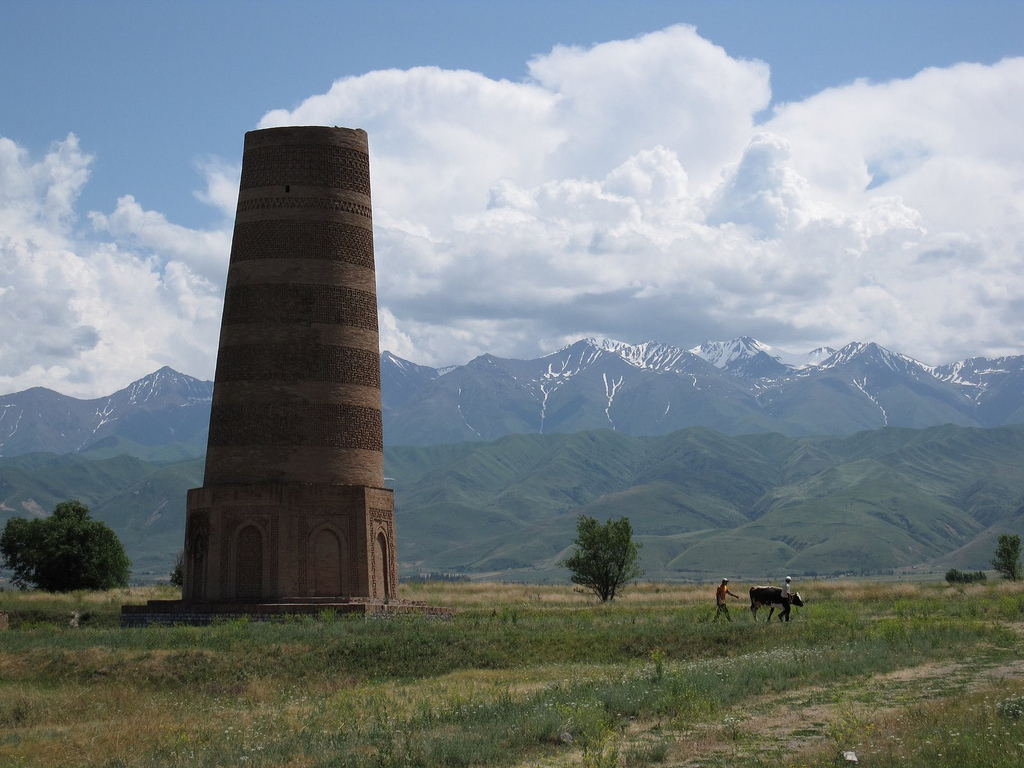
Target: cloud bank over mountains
{"type": "Point", "coordinates": [638, 189]}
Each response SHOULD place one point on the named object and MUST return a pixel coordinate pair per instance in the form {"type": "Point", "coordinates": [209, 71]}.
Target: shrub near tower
{"type": "Point", "coordinates": [63, 552]}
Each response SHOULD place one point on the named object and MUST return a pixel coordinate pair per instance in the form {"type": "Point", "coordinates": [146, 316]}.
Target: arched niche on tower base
{"type": "Point", "coordinates": [248, 561]}
{"type": "Point", "coordinates": [195, 557]}
{"type": "Point", "coordinates": [330, 560]}
{"type": "Point", "coordinates": [382, 566]}
{"type": "Point", "coordinates": [200, 545]}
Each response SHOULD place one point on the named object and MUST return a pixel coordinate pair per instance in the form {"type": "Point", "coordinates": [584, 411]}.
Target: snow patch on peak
{"type": "Point", "coordinates": [397, 362]}
{"type": "Point", "coordinates": [649, 355]}
{"type": "Point", "coordinates": [602, 344]}
{"type": "Point", "coordinates": [817, 356]}
{"type": "Point", "coordinates": [726, 354]}
{"type": "Point", "coordinates": [875, 353]}
{"type": "Point", "coordinates": [979, 372]}
{"type": "Point", "coordinates": [843, 355]}
{"type": "Point", "coordinates": [654, 355]}
{"type": "Point", "coordinates": [721, 353]}
{"type": "Point", "coordinates": [161, 383]}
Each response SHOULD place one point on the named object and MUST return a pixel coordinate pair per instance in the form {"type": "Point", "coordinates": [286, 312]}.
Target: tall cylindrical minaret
{"type": "Point", "coordinates": [297, 390]}
{"type": "Point", "coordinates": [292, 504]}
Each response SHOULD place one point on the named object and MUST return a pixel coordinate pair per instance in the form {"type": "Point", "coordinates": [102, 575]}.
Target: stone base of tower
{"type": "Point", "coordinates": [268, 551]}
{"type": "Point", "coordinates": [268, 543]}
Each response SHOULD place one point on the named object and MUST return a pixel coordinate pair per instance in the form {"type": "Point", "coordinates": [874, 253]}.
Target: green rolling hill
{"type": "Point", "coordinates": [143, 501]}
{"type": "Point", "coordinates": [704, 504]}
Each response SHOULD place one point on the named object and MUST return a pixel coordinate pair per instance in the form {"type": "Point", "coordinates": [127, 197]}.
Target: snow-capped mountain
{"type": "Point", "coordinates": [995, 385]}
{"type": "Point", "coordinates": [817, 356]}
{"type": "Point", "coordinates": [894, 361]}
{"type": "Point", "coordinates": [749, 358]}
{"type": "Point", "coordinates": [650, 355]}
{"type": "Point", "coordinates": [401, 379]}
{"type": "Point", "coordinates": [736, 387]}
{"type": "Point", "coordinates": [722, 353]}
{"type": "Point", "coordinates": [163, 407]}
{"type": "Point", "coordinates": [591, 384]}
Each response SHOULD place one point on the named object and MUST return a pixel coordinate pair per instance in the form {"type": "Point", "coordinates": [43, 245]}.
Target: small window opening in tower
{"type": "Point", "coordinates": [287, 188]}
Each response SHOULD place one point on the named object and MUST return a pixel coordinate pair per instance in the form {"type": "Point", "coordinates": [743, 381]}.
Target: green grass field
{"type": "Point", "coordinates": [903, 674]}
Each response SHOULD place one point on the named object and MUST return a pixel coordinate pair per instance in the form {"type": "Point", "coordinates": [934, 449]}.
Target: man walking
{"type": "Point", "coordinates": [720, 593]}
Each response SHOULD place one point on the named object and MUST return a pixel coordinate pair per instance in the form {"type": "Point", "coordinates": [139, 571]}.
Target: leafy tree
{"type": "Point", "coordinates": [605, 557]}
{"type": "Point", "coordinates": [66, 551]}
{"type": "Point", "coordinates": [178, 574]}
{"type": "Point", "coordinates": [1007, 557]}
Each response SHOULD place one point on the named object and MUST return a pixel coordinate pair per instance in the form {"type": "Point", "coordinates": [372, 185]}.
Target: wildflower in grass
{"type": "Point", "coordinates": [1012, 708]}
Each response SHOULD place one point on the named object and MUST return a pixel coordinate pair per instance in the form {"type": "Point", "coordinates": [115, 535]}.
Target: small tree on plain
{"type": "Point", "coordinates": [63, 552]}
{"type": "Point", "coordinates": [1007, 557]}
{"type": "Point", "coordinates": [177, 575]}
{"type": "Point", "coordinates": [604, 558]}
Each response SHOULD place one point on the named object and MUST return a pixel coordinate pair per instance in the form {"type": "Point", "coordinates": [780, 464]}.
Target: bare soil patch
{"type": "Point", "coordinates": [796, 721]}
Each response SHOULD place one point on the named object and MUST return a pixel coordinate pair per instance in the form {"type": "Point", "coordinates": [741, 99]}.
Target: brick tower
{"type": "Point", "coordinates": [293, 507]}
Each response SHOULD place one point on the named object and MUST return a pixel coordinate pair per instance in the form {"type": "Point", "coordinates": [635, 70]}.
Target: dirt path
{"type": "Point", "coordinates": [795, 721]}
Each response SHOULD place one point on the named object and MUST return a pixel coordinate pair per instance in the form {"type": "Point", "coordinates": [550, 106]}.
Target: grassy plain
{"type": "Point", "coordinates": [903, 674]}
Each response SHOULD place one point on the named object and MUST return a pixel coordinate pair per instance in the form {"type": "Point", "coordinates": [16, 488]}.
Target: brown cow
{"type": "Point", "coordinates": [772, 597]}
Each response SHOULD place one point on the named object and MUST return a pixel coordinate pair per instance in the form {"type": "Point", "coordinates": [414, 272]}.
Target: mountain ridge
{"type": "Point", "coordinates": [161, 408]}
{"type": "Point", "coordinates": [737, 387]}
{"type": "Point", "coordinates": [740, 386]}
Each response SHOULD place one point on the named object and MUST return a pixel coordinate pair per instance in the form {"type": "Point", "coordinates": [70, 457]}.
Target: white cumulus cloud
{"type": "Point", "coordinates": [87, 312]}
{"type": "Point", "coordinates": [635, 189]}
{"type": "Point", "coordinates": [630, 190]}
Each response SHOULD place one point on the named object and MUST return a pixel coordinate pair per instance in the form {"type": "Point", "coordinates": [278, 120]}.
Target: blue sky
{"type": "Point", "coordinates": [711, 199]}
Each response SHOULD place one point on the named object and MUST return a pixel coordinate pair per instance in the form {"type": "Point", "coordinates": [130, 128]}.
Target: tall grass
{"type": "Point", "coordinates": [543, 675]}
{"type": "Point", "coordinates": [972, 729]}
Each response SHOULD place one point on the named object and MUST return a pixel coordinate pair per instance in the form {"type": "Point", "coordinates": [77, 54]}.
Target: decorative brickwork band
{"type": "Point", "coordinates": [299, 362]}
{"type": "Point", "coordinates": [379, 515]}
{"type": "Point", "coordinates": [311, 165]}
{"type": "Point", "coordinates": [330, 240]}
{"type": "Point", "coordinates": [276, 303]}
{"type": "Point", "coordinates": [303, 203]}
{"type": "Point", "coordinates": [296, 424]}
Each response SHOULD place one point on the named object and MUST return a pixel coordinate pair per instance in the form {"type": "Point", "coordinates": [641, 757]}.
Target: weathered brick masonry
{"type": "Point", "coordinates": [293, 506]}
